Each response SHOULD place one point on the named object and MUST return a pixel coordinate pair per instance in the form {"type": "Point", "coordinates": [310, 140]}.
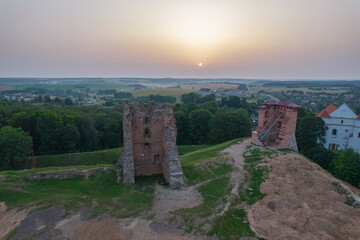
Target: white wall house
{"type": "Point", "coordinates": [343, 128]}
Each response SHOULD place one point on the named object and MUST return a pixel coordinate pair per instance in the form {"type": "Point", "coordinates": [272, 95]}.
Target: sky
{"type": "Point", "coordinates": [277, 39]}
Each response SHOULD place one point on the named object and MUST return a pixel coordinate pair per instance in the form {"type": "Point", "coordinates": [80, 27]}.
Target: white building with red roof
{"type": "Point", "coordinates": [343, 128]}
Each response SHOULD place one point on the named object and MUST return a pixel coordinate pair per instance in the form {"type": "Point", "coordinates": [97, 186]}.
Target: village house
{"type": "Point", "coordinates": [343, 128]}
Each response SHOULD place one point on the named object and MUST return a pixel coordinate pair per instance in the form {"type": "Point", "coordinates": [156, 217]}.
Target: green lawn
{"type": "Point", "coordinates": [110, 156]}
{"type": "Point", "coordinates": [184, 149]}
{"type": "Point", "coordinates": [115, 199]}
{"type": "Point", "coordinates": [205, 153]}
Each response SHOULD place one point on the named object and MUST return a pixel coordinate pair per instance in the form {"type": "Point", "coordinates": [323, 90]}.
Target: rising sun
{"type": "Point", "coordinates": [200, 64]}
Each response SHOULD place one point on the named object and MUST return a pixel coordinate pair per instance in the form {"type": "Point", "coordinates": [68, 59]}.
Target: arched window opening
{"type": "Point", "coordinates": [334, 132]}
{"type": "Point", "coordinates": [146, 120]}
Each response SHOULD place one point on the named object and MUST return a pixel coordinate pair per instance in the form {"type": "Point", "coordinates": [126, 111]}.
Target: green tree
{"type": "Point", "coordinates": [212, 106]}
{"type": "Point", "coordinates": [221, 126]}
{"type": "Point", "coordinates": [15, 145]}
{"type": "Point", "coordinates": [47, 98]}
{"type": "Point", "coordinates": [242, 87]}
{"type": "Point", "coordinates": [111, 136]}
{"type": "Point", "coordinates": [321, 156]}
{"type": "Point", "coordinates": [346, 166]}
{"type": "Point", "coordinates": [242, 123]}
{"type": "Point", "coordinates": [48, 126]}
{"type": "Point", "coordinates": [199, 125]}
{"type": "Point", "coordinates": [69, 138]}
{"type": "Point", "coordinates": [182, 125]}
{"type": "Point", "coordinates": [88, 134]}
{"type": "Point", "coordinates": [310, 132]}
{"type": "Point", "coordinates": [357, 109]}
{"type": "Point", "coordinates": [28, 122]}
{"type": "Point", "coordinates": [190, 98]}
{"type": "Point", "coordinates": [68, 102]}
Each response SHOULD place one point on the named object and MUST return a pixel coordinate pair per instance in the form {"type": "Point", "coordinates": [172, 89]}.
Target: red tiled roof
{"type": "Point", "coordinates": [281, 103]}
{"type": "Point", "coordinates": [327, 111]}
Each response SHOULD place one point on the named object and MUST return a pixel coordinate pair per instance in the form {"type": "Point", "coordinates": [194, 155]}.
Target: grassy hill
{"type": "Point", "coordinates": [205, 168]}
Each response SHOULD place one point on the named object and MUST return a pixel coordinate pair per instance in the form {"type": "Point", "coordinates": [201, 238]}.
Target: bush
{"type": "Point", "coordinates": [346, 166]}
{"type": "Point", "coordinates": [321, 156]}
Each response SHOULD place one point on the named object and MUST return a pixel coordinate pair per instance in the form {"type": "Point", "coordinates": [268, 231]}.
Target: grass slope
{"type": "Point", "coordinates": [110, 156]}
{"type": "Point", "coordinates": [115, 199]}
{"type": "Point", "coordinates": [201, 164]}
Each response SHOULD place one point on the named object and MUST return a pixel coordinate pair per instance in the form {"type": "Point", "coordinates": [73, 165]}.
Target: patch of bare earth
{"type": "Point", "coordinates": [301, 203]}
{"type": "Point", "coordinates": [106, 229]}
{"type": "Point", "coordinates": [236, 151]}
{"type": "Point", "coordinates": [168, 200]}
{"type": "Point", "coordinates": [9, 220]}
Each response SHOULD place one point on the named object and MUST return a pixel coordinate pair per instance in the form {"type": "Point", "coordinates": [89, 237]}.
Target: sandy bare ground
{"type": "Point", "coordinates": [9, 220]}
{"type": "Point", "coordinates": [167, 200]}
{"type": "Point", "coordinates": [301, 203]}
{"type": "Point", "coordinates": [236, 151]}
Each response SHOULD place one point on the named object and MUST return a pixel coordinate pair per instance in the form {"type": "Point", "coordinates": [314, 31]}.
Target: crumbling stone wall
{"type": "Point", "coordinates": [150, 143]}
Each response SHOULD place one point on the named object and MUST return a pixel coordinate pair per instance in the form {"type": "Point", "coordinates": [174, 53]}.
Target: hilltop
{"type": "Point", "coordinates": [269, 195]}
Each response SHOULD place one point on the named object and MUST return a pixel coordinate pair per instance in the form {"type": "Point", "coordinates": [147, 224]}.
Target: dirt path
{"type": "Point", "coordinates": [168, 200]}
{"type": "Point", "coordinates": [10, 220]}
{"type": "Point", "coordinates": [236, 151]}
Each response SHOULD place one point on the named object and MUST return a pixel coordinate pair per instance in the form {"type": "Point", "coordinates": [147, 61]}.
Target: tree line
{"type": "Point", "coordinates": [50, 129]}
{"type": "Point", "coordinates": [64, 129]}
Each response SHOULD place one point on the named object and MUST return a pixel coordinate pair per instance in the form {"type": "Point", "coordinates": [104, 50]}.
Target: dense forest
{"type": "Point", "coordinates": [50, 128]}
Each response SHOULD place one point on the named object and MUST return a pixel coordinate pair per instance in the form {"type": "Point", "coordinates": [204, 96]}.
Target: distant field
{"type": "Point", "coordinates": [279, 89]}
{"type": "Point", "coordinates": [212, 86]}
{"type": "Point", "coordinates": [251, 100]}
{"type": "Point", "coordinates": [74, 87]}
{"type": "Point", "coordinates": [4, 87]}
{"type": "Point", "coordinates": [175, 92]}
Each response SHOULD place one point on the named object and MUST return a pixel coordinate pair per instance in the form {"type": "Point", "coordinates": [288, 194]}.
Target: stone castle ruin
{"type": "Point", "coordinates": [276, 125]}
{"type": "Point", "coordinates": [150, 143]}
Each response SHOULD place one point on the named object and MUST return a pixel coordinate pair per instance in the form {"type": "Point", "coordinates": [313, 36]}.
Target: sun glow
{"type": "Point", "coordinates": [198, 28]}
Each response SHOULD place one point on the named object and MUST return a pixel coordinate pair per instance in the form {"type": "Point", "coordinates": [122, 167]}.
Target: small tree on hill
{"type": "Point", "coordinates": [15, 145]}
{"type": "Point", "coordinates": [310, 132]}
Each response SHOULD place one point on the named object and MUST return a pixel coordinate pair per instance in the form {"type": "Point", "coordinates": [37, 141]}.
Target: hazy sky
{"type": "Point", "coordinates": [169, 38]}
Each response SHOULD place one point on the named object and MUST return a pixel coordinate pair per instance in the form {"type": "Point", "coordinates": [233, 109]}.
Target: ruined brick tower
{"type": "Point", "coordinates": [277, 125]}
{"type": "Point", "coordinates": [150, 143]}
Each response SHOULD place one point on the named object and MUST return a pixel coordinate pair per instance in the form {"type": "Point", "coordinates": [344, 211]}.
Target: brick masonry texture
{"type": "Point", "coordinates": [283, 131]}
{"type": "Point", "coordinates": [150, 143]}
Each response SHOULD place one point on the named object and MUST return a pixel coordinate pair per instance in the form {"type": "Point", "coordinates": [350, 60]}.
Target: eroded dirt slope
{"type": "Point", "coordinates": [301, 203]}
